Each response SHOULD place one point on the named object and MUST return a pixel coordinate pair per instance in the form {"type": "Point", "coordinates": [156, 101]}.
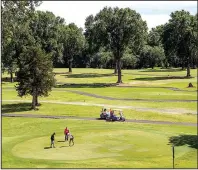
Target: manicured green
{"type": "Point", "coordinates": [97, 145]}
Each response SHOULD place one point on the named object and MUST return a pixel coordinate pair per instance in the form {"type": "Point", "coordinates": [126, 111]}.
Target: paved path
{"type": "Point", "coordinates": [88, 118]}
{"type": "Point", "coordinates": [114, 98]}
{"type": "Point", "coordinates": [125, 99]}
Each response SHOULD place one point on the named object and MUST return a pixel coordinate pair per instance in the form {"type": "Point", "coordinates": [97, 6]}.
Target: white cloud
{"type": "Point", "coordinates": [154, 12]}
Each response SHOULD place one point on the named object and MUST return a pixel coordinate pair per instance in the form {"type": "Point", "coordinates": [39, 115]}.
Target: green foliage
{"type": "Point", "coordinates": [73, 43]}
{"type": "Point", "coordinates": [179, 37]}
{"type": "Point", "coordinates": [151, 57]}
{"type": "Point", "coordinates": [35, 71]}
{"type": "Point", "coordinates": [15, 17]}
{"type": "Point", "coordinates": [114, 29]}
{"type": "Point", "coordinates": [46, 30]}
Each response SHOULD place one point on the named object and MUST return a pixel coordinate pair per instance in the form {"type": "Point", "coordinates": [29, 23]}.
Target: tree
{"type": "Point", "coordinates": [35, 76]}
{"type": "Point", "coordinates": [73, 43]}
{"type": "Point", "coordinates": [179, 37]}
{"type": "Point", "coordinates": [116, 29]}
{"type": "Point", "coordinates": [46, 29]}
{"type": "Point", "coordinates": [155, 36]}
{"type": "Point", "coordinates": [14, 17]}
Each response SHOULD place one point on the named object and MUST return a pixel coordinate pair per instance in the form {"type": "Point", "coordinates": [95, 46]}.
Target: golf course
{"type": "Point", "coordinates": [99, 84]}
{"type": "Point", "coordinates": [159, 107]}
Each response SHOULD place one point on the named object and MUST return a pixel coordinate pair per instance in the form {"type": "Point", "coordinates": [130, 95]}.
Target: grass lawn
{"type": "Point", "coordinates": [97, 144]}
{"type": "Point", "coordinates": [100, 144]}
{"type": "Point", "coordinates": [92, 111]}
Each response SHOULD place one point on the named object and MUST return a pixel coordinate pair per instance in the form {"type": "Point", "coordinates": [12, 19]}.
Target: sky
{"type": "Point", "coordinates": [153, 12]}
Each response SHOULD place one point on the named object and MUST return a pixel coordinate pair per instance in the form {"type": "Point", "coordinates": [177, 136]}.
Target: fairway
{"type": "Point", "coordinates": [101, 144]}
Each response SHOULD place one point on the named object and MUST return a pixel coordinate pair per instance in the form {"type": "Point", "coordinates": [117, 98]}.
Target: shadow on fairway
{"type": "Point", "coordinates": [63, 146]}
{"type": "Point", "coordinates": [60, 141]}
{"type": "Point", "coordinates": [47, 147]}
{"type": "Point", "coordinates": [19, 107]}
{"type": "Point", "coordinates": [7, 79]}
{"type": "Point", "coordinates": [87, 75]}
{"type": "Point", "coordinates": [190, 140]}
{"type": "Point", "coordinates": [92, 85]}
{"type": "Point", "coordinates": [163, 70]}
{"type": "Point", "coordinates": [161, 78]}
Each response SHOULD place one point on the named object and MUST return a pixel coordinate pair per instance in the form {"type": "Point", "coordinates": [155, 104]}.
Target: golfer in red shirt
{"type": "Point", "coordinates": [66, 132]}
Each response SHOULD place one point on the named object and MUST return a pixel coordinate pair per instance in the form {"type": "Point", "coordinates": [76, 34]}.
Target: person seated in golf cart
{"type": "Point", "coordinates": [116, 117]}
{"type": "Point", "coordinates": [112, 115]}
{"type": "Point", "coordinates": [105, 112]}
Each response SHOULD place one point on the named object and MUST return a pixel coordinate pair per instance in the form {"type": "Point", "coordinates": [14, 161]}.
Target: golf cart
{"type": "Point", "coordinates": [112, 116]}
{"type": "Point", "coordinates": [105, 113]}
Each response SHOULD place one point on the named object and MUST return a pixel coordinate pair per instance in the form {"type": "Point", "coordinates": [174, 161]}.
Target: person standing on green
{"type": "Point", "coordinates": [66, 132]}
{"type": "Point", "coordinates": [52, 140]}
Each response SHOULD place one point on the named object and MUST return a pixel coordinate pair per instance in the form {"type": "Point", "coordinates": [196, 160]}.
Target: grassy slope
{"type": "Point", "coordinates": [97, 145]}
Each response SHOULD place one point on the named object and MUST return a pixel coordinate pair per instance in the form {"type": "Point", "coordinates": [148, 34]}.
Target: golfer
{"type": "Point", "coordinates": [66, 132]}
{"type": "Point", "coordinates": [52, 140]}
{"type": "Point", "coordinates": [71, 139]}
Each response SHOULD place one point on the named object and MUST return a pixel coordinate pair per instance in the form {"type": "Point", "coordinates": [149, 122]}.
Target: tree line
{"type": "Point", "coordinates": [34, 42]}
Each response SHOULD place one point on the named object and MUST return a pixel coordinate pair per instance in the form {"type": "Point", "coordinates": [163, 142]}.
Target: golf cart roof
{"type": "Point", "coordinates": [116, 109]}
{"type": "Point", "coordinates": [111, 109]}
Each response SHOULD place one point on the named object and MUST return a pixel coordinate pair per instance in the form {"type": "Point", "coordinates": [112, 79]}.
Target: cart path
{"type": "Point", "coordinates": [126, 99]}
{"type": "Point", "coordinates": [125, 85]}
{"type": "Point", "coordinates": [88, 118]}
{"type": "Point", "coordinates": [113, 98]}
{"type": "Point", "coordinates": [160, 110]}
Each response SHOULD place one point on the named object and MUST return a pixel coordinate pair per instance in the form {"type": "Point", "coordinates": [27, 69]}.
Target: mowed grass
{"type": "Point", "coordinates": [174, 111]}
{"type": "Point", "coordinates": [100, 144]}
{"type": "Point", "coordinates": [143, 77]}
{"type": "Point", "coordinates": [97, 145]}
{"type": "Point", "coordinates": [65, 96]}
{"type": "Point", "coordinates": [93, 111]}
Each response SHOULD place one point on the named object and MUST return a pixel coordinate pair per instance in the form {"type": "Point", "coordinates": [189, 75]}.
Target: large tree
{"type": "Point", "coordinates": [73, 43]}
{"type": "Point", "coordinates": [46, 30]}
{"type": "Point", "coordinates": [179, 37]}
{"type": "Point", "coordinates": [35, 75]}
{"type": "Point", "coordinates": [115, 29]}
{"type": "Point", "coordinates": [15, 15]}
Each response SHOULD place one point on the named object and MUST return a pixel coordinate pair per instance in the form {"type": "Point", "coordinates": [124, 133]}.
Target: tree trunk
{"type": "Point", "coordinates": [70, 66]}
{"type": "Point", "coordinates": [34, 99]}
{"type": "Point", "coordinates": [116, 67]}
{"type": "Point", "coordinates": [188, 65]}
{"type": "Point", "coordinates": [119, 71]}
{"type": "Point", "coordinates": [11, 77]}
{"type": "Point", "coordinates": [188, 70]}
